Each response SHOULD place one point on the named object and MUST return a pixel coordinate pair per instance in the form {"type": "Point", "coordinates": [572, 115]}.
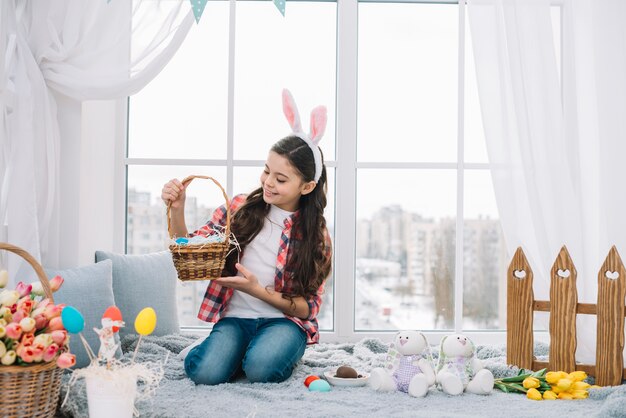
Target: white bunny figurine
{"type": "Point", "coordinates": [108, 346]}
{"type": "Point", "coordinates": [409, 366]}
{"type": "Point", "coordinates": [458, 369]}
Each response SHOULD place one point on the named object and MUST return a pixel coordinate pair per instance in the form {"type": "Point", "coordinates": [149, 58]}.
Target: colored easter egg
{"type": "Point", "coordinates": [319, 385]}
{"type": "Point", "coordinates": [145, 321]}
{"type": "Point", "coordinates": [73, 320]}
{"type": "Point", "coordinates": [114, 314]}
{"type": "Point", "coordinates": [309, 379]}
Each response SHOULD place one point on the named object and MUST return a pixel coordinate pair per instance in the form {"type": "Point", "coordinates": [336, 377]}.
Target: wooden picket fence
{"type": "Point", "coordinates": [563, 307]}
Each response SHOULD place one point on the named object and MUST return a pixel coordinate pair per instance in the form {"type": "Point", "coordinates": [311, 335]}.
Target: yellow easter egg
{"type": "Point", "coordinates": [145, 321]}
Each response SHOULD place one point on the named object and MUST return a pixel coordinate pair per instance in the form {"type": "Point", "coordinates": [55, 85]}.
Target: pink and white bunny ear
{"type": "Point", "coordinates": [318, 123]}
{"type": "Point", "coordinates": [291, 111]}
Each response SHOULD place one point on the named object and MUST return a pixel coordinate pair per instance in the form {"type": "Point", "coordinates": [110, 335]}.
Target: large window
{"type": "Point", "coordinates": [410, 195]}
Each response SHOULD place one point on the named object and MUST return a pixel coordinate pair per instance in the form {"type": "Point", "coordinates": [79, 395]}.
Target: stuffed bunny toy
{"type": "Point", "coordinates": [458, 369]}
{"type": "Point", "coordinates": [409, 366]}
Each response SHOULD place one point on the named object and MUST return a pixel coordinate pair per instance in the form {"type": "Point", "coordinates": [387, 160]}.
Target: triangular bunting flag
{"type": "Point", "coordinates": [198, 8]}
{"type": "Point", "coordinates": [280, 5]}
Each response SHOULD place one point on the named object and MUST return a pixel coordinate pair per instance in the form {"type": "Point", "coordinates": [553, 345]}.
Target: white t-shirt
{"type": "Point", "coordinates": [260, 258]}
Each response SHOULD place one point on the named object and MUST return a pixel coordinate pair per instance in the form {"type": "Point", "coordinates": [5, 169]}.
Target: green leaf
{"type": "Point", "coordinates": [540, 373]}
{"type": "Point", "coordinates": [518, 387]}
{"type": "Point", "coordinates": [502, 387]}
{"type": "Point", "coordinates": [509, 387]}
{"type": "Point", "coordinates": [516, 379]}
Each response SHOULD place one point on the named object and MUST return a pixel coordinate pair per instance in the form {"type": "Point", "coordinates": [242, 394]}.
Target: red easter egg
{"type": "Point", "coordinates": [309, 379]}
{"type": "Point", "coordinates": [114, 314]}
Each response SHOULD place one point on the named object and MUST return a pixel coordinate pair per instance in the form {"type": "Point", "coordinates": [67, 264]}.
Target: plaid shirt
{"type": "Point", "coordinates": [216, 297]}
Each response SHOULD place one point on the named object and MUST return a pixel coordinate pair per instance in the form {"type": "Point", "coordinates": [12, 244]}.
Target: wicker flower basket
{"type": "Point", "coordinates": [195, 262]}
{"type": "Point", "coordinates": [30, 391]}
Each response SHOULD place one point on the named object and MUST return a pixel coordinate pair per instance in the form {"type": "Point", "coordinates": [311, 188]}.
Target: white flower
{"type": "Point", "coordinates": [27, 324]}
{"type": "Point", "coordinates": [43, 339]}
{"type": "Point", "coordinates": [4, 278]}
{"type": "Point", "coordinates": [9, 297]}
{"type": "Point", "coordinates": [38, 289]}
{"type": "Point", "coordinates": [8, 358]}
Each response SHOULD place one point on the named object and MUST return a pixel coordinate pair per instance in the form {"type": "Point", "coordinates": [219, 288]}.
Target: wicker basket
{"type": "Point", "coordinates": [200, 261]}
{"type": "Point", "coordinates": [30, 391]}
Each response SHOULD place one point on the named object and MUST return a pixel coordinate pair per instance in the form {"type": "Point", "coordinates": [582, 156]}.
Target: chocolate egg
{"type": "Point", "coordinates": [347, 372]}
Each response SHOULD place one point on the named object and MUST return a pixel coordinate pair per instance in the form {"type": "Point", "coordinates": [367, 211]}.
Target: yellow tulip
{"type": "Point", "coordinates": [566, 396]}
{"type": "Point", "coordinates": [580, 394]}
{"type": "Point", "coordinates": [580, 386]}
{"type": "Point", "coordinates": [553, 377]}
{"type": "Point", "coordinates": [564, 384]}
{"type": "Point", "coordinates": [548, 395]}
{"type": "Point", "coordinates": [533, 394]}
{"type": "Point", "coordinates": [594, 387]}
{"type": "Point", "coordinates": [577, 376]}
{"type": "Point", "coordinates": [531, 382]}
{"type": "Point", "coordinates": [556, 389]}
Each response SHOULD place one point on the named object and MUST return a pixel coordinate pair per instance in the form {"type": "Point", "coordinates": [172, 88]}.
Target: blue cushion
{"type": "Point", "coordinates": [141, 281]}
{"type": "Point", "coordinates": [88, 289]}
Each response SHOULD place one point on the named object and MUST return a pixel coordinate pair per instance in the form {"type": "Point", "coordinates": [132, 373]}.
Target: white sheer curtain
{"type": "Point", "coordinates": [553, 101]}
{"type": "Point", "coordinates": [76, 50]}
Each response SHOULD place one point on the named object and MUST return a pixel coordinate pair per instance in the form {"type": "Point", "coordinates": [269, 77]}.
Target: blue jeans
{"type": "Point", "coordinates": [265, 349]}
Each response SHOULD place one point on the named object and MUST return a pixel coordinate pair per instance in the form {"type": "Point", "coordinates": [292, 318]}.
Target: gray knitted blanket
{"type": "Point", "coordinates": [177, 396]}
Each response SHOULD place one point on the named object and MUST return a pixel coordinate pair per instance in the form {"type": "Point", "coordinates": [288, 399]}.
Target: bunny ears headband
{"type": "Point", "coordinates": [318, 126]}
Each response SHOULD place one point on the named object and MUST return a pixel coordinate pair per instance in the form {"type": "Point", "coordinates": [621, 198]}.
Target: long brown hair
{"type": "Point", "coordinates": [308, 263]}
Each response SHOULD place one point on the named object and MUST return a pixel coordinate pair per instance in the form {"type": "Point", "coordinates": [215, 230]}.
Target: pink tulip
{"type": "Point", "coordinates": [66, 360]}
{"type": "Point", "coordinates": [26, 354]}
{"type": "Point", "coordinates": [43, 303]}
{"type": "Point", "coordinates": [55, 323]}
{"type": "Point", "coordinates": [25, 304]}
{"type": "Point", "coordinates": [50, 352]}
{"type": "Point", "coordinates": [41, 322]}
{"type": "Point", "coordinates": [27, 339]}
{"type": "Point", "coordinates": [23, 289]}
{"type": "Point", "coordinates": [18, 316]}
{"type": "Point", "coordinates": [56, 283]}
{"type": "Point", "coordinates": [38, 353]}
{"type": "Point", "coordinates": [59, 337]}
{"type": "Point", "coordinates": [19, 348]}
{"type": "Point", "coordinates": [14, 331]}
{"type": "Point", "coordinates": [52, 311]}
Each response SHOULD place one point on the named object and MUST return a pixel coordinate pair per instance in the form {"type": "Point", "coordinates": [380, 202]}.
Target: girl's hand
{"type": "Point", "coordinates": [247, 283]}
{"type": "Point", "coordinates": [174, 191]}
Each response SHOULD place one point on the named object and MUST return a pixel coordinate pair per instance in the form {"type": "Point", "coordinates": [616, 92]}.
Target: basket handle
{"type": "Point", "coordinates": [188, 180]}
{"type": "Point", "coordinates": [45, 283]}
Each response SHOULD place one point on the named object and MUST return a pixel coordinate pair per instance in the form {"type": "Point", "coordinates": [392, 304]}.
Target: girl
{"type": "Point", "coordinates": [266, 311]}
